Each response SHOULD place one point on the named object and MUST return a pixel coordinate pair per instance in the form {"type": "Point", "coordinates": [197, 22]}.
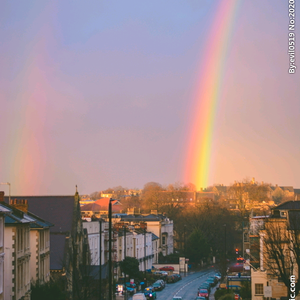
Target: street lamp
{"type": "Point", "coordinates": [225, 241]}
{"type": "Point", "coordinates": [100, 258]}
{"type": "Point", "coordinates": [109, 249]}
{"type": "Point", "coordinates": [125, 292]}
{"type": "Point", "coordinates": [184, 228]}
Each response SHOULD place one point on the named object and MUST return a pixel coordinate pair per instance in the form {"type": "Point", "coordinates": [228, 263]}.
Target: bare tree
{"type": "Point", "coordinates": [281, 242]}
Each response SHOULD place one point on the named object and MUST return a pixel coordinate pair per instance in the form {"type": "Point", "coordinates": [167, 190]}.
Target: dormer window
{"type": "Point", "coordinates": [283, 214]}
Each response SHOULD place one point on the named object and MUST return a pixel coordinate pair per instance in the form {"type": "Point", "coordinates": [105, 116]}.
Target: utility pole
{"type": "Point", "coordinates": [110, 250]}
{"type": "Point", "coordinates": [145, 231]}
{"type": "Point", "coordinates": [100, 259]}
{"type": "Point", "coordinates": [125, 295]}
{"type": "Point", "coordinates": [225, 242]}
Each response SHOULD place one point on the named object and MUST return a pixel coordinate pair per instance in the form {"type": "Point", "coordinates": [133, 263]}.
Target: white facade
{"type": "Point", "coordinates": [143, 249]}
{"type": "Point", "coordinates": [16, 263]}
{"type": "Point", "coordinates": [93, 230]}
{"type": "Point", "coordinates": [164, 230]}
{"type": "Point", "coordinates": [2, 255]}
{"type": "Point", "coordinates": [40, 255]}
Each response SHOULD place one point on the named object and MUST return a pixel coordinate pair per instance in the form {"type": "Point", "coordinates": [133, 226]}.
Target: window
{"type": "Point", "coordinates": [42, 240]}
{"type": "Point", "coordinates": [259, 289]}
{"type": "Point", "coordinates": [163, 240]}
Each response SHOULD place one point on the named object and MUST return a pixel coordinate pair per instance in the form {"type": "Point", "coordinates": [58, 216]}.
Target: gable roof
{"type": "Point", "coordinates": [288, 205]}
{"type": "Point", "coordinates": [13, 215]}
{"type": "Point", "coordinates": [154, 237]}
{"type": "Point", "coordinates": [102, 205]}
{"type": "Point", "coordinates": [287, 188]}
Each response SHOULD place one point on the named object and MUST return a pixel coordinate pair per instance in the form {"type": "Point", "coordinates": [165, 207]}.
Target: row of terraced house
{"type": "Point", "coordinates": [45, 238]}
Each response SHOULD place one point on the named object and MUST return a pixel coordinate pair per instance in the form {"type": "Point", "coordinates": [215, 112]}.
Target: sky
{"type": "Point", "coordinates": [104, 93]}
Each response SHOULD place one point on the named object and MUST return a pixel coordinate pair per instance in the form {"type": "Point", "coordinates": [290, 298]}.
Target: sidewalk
{"type": "Point", "coordinates": [212, 293]}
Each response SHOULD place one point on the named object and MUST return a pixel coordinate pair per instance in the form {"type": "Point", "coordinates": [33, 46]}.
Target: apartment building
{"type": "Point", "coordinates": [276, 257]}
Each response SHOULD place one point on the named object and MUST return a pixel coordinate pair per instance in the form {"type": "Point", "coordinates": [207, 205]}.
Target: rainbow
{"type": "Point", "coordinates": [208, 94]}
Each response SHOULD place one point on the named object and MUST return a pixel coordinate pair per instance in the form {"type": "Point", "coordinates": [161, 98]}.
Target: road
{"type": "Point", "coordinates": [187, 287]}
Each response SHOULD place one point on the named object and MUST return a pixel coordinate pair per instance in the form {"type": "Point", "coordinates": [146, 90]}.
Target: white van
{"type": "Point", "coordinates": [139, 296]}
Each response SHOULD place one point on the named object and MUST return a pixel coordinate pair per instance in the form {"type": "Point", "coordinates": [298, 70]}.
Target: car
{"type": "Point", "coordinates": [177, 298]}
{"type": "Point", "coordinates": [218, 276]}
{"type": "Point", "coordinates": [211, 282]}
{"type": "Point", "coordinates": [214, 279]}
{"type": "Point", "coordinates": [200, 298]}
{"type": "Point", "coordinates": [161, 282]}
{"type": "Point", "coordinates": [158, 285]}
{"type": "Point", "coordinates": [167, 268]}
{"type": "Point", "coordinates": [205, 285]}
{"type": "Point", "coordinates": [150, 293]}
{"type": "Point", "coordinates": [203, 293]}
{"type": "Point", "coordinates": [160, 274]}
{"type": "Point", "coordinates": [178, 276]}
{"type": "Point", "coordinates": [171, 278]}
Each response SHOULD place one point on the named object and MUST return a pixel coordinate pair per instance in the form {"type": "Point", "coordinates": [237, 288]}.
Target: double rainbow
{"type": "Point", "coordinates": [198, 165]}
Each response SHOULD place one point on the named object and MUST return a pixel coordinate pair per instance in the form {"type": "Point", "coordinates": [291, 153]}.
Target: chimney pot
{"type": "Point", "coordinates": [1, 196]}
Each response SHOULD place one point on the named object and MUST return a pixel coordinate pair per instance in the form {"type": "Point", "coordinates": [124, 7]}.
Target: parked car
{"type": "Point", "coordinates": [178, 276]}
{"type": "Point", "coordinates": [171, 278]}
{"type": "Point", "coordinates": [203, 293]}
{"type": "Point", "coordinates": [214, 279]}
{"type": "Point", "coordinates": [205, 285]}
{"type": "Point", "coordinates": [167, 268]}
{"type": "Point", "coordinates": [158, 285]}
{"type": "Point", "coordinates": [211, 282]}
{"type": "Point", "coordinates": [218, 276]}
{"type": "Point", "coordinates": [160, 274]}
{"type": "Point", "coordinates": [150, 293]}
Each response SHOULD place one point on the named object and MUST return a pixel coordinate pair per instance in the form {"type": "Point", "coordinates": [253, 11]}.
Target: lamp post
{"type": "Point", "coordinates": [109, 250]}
{"type": "Point", "coordinates": [125, 292]}
{"type": "Point", "coordinates": [184, 229]}
{"type": "Point", "coordinates": [225, 242]}
{"type": "Point", "coordinates": [145, 249]}
{"type": "Point", "coordinates": [100, 259]}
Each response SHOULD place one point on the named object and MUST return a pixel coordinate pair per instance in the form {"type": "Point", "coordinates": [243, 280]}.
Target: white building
{"type": "Point", "coordinates": [93, 230]}
{"type": "Point", "coordinates": [39, 249]}
{"type": "Point", "coordinates": [142, 245]}
{"type": "Point", "coordinates": [17, 256]}
{"type": "Point", "coordinates": [160, 225]}
{"type": "Point", "coordinates": [2, 253]}
{"type": "Point", "coordinates": [155, 248]}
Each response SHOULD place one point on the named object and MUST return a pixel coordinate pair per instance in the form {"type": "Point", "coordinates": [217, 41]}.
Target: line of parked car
{"type": "Point", "coordinates": [158, 285]}
{"type": "Point", "coordinates": [205, 287]}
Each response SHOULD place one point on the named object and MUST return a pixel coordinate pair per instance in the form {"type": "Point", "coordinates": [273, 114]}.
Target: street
{"type": "Point", "coordinates": [186, 288]}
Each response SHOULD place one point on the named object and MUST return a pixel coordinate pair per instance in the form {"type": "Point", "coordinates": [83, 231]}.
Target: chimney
{"type": "Point", "coordinates": [20, 204]}
{"type": "Point", "coordinates": [1, 196]}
